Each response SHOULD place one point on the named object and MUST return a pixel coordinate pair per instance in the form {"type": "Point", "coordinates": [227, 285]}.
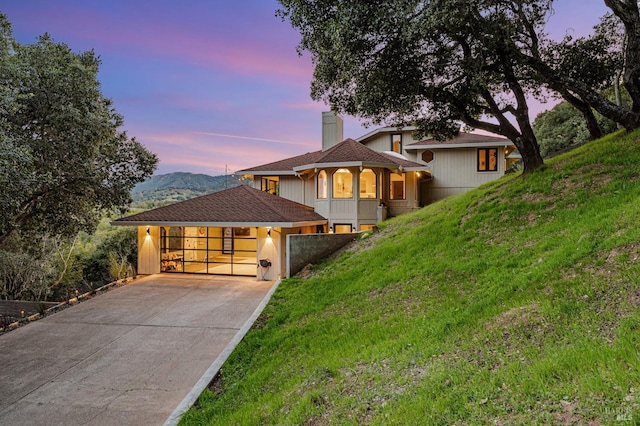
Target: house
{"type": "Point", "coordinates": [455, 165]}
{"type": "Point", "coordinates": [357, 183]}
{"type": "Point", "coordinates": [349, 185]}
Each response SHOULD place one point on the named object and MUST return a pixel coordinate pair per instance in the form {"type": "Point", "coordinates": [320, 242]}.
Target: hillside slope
{"type": "Point", "coordinates": [517, 303]}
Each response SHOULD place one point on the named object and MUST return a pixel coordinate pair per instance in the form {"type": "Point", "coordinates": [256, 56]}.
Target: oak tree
{"type": "Point", "coordinates": [437, 63]}
{"type": "Point", "coordinates": [64, 158]}
{"type": "Point", "coordinates": [432, 63]}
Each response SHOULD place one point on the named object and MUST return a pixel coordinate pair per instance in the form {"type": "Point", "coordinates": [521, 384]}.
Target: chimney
{"type": "Point", "coordinates": [331, 129]}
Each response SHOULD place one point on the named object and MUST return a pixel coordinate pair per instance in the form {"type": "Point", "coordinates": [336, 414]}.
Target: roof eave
{"type": "Point", "coordinates": [386, 130]}
{"type": "Point", "coordinates": [346, 164]}
{"type": "Point", "coordinates": [287, 172]}
{"type": "Point", "coordinates": [223, 224]}
{"type": "Point", "coordinates": [417, 168]}
{"type": "Point", "coordinates": [460, 145]}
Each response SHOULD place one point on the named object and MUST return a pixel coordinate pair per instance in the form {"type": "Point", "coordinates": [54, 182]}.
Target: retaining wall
{"type": "Point", "coordinates": [303, 249]}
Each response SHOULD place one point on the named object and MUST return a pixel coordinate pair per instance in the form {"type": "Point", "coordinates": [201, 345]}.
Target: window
{"type": "Point", "coordinates": [322, 185]}
{"type": "Point", "coordinates": [427, 156]}
{"type": "Point", "coordinates": [270, 185]}
{"type": "Point", "coordinates": [488, 159]}
{"type": "Point", "coordinates": [342, 184]}
{"type": "Point", "coordinates": [397, 186]}
{"type": "Point", "coordinates": [341, 228]}
{"type": "Point", "coordinates": [396, 143]}
{"type": "Point", "coordinates": [368, 187]}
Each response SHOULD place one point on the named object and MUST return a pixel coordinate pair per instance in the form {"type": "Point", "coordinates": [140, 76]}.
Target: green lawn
{"type": "Point", "coordinates": [517, 303]}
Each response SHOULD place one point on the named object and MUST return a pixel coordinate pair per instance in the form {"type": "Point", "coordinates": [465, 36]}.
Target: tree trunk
{"type": "Point", "coordinates": [524, 139]}
{"type": "Point", "coordinates": [589, 118]}
{"type": "Point", "coordinates": [629, 14]}
{"type": "Point", "coordinates": [629, 119]}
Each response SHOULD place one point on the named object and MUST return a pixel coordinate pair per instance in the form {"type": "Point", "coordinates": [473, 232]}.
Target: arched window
{"type": "Point", "coordinates": [368, 186]}
{"type": "Point", "coordinates": [342, 184]}
{"type": "Point", "coordinates": [322, 185]}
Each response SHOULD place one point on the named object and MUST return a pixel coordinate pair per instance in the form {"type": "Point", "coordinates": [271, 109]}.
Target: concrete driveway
{"type": "Point", "coordinates": [130, 356]}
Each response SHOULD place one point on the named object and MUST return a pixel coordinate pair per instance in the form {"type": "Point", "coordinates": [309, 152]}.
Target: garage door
{"type": "Point", "coordinates": [208, 250]}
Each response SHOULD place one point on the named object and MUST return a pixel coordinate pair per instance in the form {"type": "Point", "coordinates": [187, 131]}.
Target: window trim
{"type": "Point", "coordinates": [404, 187]}
{"type": "Point", "coordinates": [325, 189]}
{"type": "Point", "coordinates": [487, 156]}
{"type": "Point", "coordinates": [393, 136]}
{"type": "Point", "coordinates": [350, 225]}
{"type": "Point", "coordinates": [375, 182]}
{"type": "Point", "coordinates": [333, 184]}
{"type": "Point", "coordinates": [265, 184]}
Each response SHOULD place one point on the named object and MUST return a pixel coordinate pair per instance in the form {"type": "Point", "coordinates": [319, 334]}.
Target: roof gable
{"type": "Point", "coordinates": [351, 152]}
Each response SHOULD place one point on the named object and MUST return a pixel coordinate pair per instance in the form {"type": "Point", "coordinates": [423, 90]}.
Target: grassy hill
{"type": "Point", "coordinates": [517, 303]}
{"type": "Point", "coordinates": [179, 186]}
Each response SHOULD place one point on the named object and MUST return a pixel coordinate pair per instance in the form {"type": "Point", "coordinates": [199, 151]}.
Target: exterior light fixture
{"type": "Point", "coordinates": [269, 232]}
{"type": "Point", "coordinates": [148, 231]}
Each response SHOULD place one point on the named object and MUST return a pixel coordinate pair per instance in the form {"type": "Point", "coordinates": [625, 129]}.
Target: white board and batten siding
{"type": "Point", "coordinates": [455, 171]}
{"type": "Point", "coordinates": [382, 142]}
{"type": "Point", "coordinates": [292, 188]}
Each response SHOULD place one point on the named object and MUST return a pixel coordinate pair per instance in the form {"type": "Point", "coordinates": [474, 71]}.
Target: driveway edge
{"type": "Point", "coordinates": [208, 375]}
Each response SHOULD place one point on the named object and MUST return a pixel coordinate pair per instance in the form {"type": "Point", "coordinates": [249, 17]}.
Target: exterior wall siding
{"type": "Point", "coordinates": [292, 188]}
{"type": "Point", "coordinates": [268, 248]}
{"type": "Point", "coordinates": [367, 211]}
{"type": "Point", "coordinates": [148, 250]}
{"type": "Point", "coordinates": [412, 196]}
{"type": "Point", "coordinates": [382, 142]}
{"type": "Point", "coordinates": [456, 171]}
{"type": "Point", "coordinates": [310, 191]}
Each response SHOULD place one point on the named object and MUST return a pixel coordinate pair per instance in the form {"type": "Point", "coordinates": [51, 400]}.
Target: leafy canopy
{"type": "Point", "coordinates": [64, 160]}
{"type": "Point", "coordinates": [436, 63]}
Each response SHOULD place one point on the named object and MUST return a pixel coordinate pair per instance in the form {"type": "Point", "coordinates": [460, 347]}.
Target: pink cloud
{"type": "Point", "coordinates": [208, 153]}
{"type": "Point", "coordinates": [164, 37]}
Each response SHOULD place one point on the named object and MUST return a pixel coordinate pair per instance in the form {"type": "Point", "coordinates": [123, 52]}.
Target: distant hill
{"type": "Point", "coordinates": [172, 187]}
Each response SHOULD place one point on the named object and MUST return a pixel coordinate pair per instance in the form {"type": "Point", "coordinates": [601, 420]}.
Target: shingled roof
{"type": "Point", "coordinates": [284, 166]}
{"type": "Point", "coordinates": [352, 153]}
{"type": "Point", "coordinates": [462, 139]}
{"type": "Point", "coordinates": [237, 206]}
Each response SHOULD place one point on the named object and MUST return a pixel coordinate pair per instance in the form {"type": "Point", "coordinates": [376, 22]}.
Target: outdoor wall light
{"type": "Point", "coordinates": [148, 232]}
{"type": "Point", "coordinates": [269, 233]}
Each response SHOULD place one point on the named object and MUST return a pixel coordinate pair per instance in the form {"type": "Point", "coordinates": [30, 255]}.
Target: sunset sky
{"type": "Point", "coordinates": [206, 84]}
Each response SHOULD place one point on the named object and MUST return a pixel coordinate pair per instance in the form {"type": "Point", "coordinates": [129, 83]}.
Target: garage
{"type": "Point", "coordinates": [238, 231]}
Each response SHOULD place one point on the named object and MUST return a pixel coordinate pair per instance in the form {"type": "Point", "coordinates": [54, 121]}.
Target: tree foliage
{"type": "Point", "coordinates": [434, 63]}
{"type": "Point", "coordinates": [441, 62]}
{"type": "Point", "coordinates": [563, 126]}
{"type": "Point", "coordinates": [64, 160]}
